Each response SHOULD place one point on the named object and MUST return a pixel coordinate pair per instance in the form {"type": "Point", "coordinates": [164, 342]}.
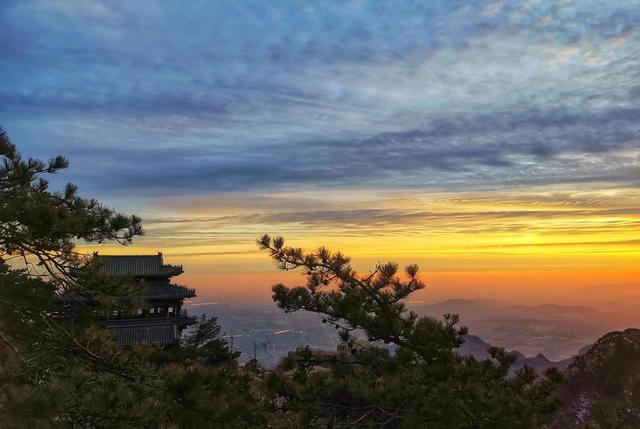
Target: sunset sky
{"type": "Point", "coordinates": [494, 143]}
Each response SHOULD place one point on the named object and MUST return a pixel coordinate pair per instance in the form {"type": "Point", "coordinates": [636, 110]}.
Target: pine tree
{"type": "Point", "coordinates": [58, 371]}
{"type": "Point", "coordinates": [424, 384]}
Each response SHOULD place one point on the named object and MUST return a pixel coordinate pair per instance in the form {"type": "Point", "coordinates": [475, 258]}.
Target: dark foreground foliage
{"type": "Point", "coordinates": [425, 384]}
{"type": "Point", "coordinates": [57, 372]}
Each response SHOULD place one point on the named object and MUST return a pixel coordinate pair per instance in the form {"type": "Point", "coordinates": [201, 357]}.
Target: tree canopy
{"type": "Point", "coordinates": [61, 372]}
{"type": "Point", "coordinates": [423, 384]}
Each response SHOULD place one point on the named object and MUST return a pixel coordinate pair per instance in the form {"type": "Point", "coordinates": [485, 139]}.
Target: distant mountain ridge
{"type": "Point", "coordinates": [481, 308]}
{"type": "Point", "coordinates": [555, 330]}
{"type": "Point", "coordinates": [478, 348]}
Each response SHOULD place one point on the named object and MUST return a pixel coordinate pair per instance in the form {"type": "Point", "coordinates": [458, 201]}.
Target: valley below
{"type": "Point", "coordinates": [543, 333]}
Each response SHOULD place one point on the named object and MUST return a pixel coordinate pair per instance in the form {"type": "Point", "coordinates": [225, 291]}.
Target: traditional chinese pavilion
{"type": "Point", "coordinates": [162, 322]}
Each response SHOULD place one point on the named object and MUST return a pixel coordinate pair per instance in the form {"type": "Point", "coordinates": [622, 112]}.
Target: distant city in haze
{"type": "Point", "coordinates": [494, 143]}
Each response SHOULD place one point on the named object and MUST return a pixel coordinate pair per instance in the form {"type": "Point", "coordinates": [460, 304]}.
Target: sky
{"type": "Point", "coordinates": [495, 143]}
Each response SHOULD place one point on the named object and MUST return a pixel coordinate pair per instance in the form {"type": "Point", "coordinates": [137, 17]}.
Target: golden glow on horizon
{"type": "Point", "coordinates": [580, 237]}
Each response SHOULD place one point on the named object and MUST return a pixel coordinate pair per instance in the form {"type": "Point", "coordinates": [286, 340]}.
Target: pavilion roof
{"type": "Point", "coordinates": [138, 266]}
{"type": "Point", "coordinates": [130, 332]}
{"type": "Point", "coordinates": [169, 291]}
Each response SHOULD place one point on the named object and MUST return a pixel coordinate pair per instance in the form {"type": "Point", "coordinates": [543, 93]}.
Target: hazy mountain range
{"type": "Point", "coordinates": [542, 335]}
{"type": "Point", "coordinates": [557, 331]}
{"type": "Point", "coordinates": [478, 348]}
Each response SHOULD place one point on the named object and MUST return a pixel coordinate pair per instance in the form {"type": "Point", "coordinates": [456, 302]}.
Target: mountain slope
{"type": "Point", "coordinates": [478, 348]}
{"type": "Point", "coordinates": [602, 386]}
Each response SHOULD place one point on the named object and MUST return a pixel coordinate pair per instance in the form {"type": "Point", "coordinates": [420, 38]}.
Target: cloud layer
{"type": "Point", "coordinates": [484, 135]}
{"type": "Point", "coordinates": [250, 96]}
